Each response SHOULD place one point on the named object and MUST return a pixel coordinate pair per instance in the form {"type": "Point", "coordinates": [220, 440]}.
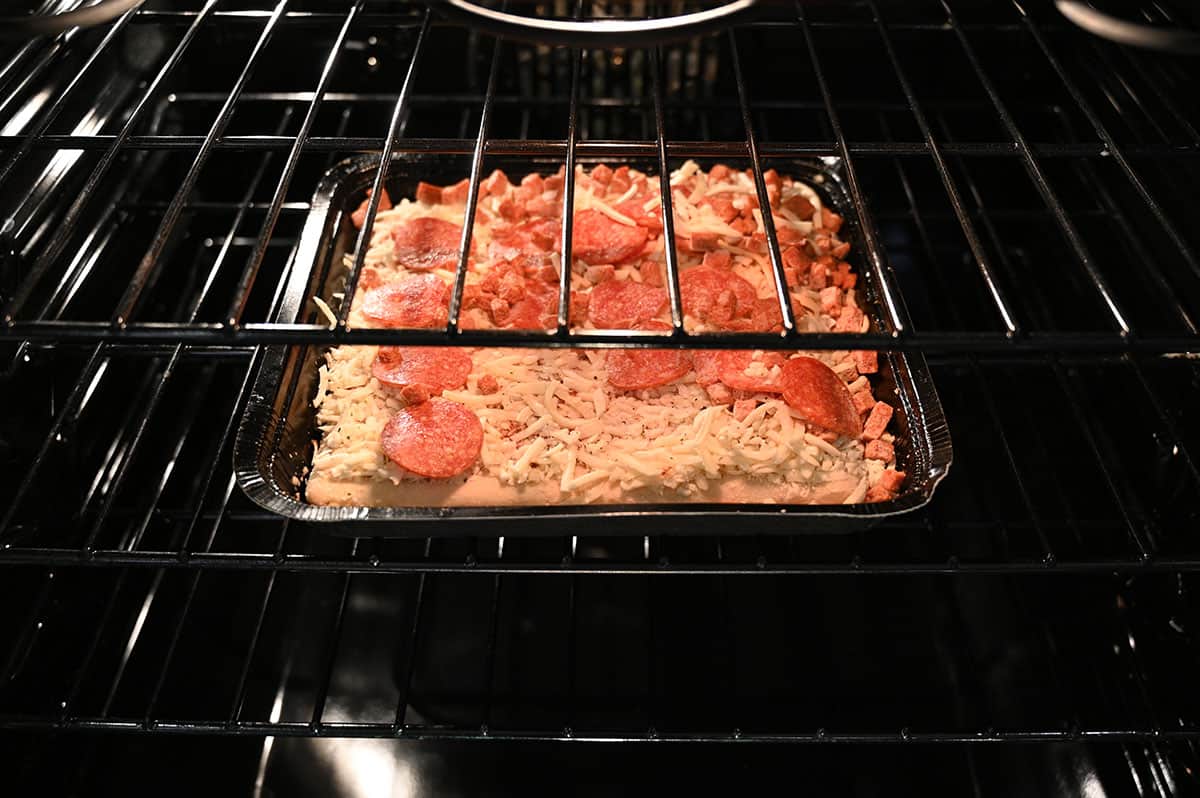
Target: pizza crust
{"type": "Point", "coordinates": [488, 491]}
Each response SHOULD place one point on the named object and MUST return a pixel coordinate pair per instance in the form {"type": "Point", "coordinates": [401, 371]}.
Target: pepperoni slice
{"type": "Point", "coordinates": [418, 301]}
{"type": "Point", "coordinates": [820, 396]}
{"type": "Point", "coordinates": [714, 295]}
{"type": "Point", "coordinates": [439, 368]}
{"type": "Point", "coordinates": [733, 365]}
{"type": "Point", "coordinates": [427, 243]}
{"type": "Point", "coordinates": [623, 304]}
{"type": "Point", "coordinates": [595, 238]}
{"type": "Point", "coordinates": [706, 362]}
{"type": "Point", "coordinates": [438, 438]}
{"type": "Point", "coordinates": [637, 369]}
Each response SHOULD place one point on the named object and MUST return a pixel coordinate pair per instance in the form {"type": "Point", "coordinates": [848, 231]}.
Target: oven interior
{"type": "Point", "coordinates": [1030, 191]}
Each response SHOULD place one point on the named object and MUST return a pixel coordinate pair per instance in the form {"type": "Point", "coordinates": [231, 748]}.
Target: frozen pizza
{"type": "Point", "coordinates": [442, 426]}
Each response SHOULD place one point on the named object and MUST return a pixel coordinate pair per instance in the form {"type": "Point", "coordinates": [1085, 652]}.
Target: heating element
{"type": "Point", "coordinates": [1026, 194]}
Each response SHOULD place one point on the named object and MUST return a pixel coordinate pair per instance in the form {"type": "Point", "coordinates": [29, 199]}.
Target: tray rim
{"type": "Point", "coordinates": [923, 409]}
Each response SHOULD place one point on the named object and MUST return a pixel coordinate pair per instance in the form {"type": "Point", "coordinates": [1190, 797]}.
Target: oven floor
{"type": "Point", "coordinates": [300, 768]}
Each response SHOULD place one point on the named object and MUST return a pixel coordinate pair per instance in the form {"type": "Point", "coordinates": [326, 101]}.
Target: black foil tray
{"type": "Point", "coordinates": [275, 438]}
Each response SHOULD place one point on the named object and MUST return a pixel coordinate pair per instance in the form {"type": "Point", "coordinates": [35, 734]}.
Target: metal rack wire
{"type": "Point", "coordinates": [1001, 215]}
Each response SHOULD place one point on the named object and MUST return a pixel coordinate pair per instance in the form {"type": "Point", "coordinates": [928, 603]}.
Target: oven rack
{"type": "Point", "coordinates": [156, 659]}
{"type": "Point", "coordinates": [1131, 181]}
{"type": "Point", "coordinates": [1071, 501]}
{"type": "Point", "coordinates": [1039, 487]}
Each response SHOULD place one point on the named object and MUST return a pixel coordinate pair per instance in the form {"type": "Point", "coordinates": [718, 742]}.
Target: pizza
{"type": "Point", "coordinates": [456, 426]}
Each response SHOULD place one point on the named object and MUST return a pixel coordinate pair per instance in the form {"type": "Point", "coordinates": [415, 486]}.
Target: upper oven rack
{"type": "Point", "coordinates": [1173, 280]}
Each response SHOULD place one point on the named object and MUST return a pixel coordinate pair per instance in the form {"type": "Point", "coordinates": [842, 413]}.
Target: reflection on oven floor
{"type": "Point", "coordinates": [344, 768]}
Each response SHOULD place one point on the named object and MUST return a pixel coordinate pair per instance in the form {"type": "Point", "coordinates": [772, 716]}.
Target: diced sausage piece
{"type": "Point", "coordinates": [866, 361]}
{"type": "Point", "coordinates": [850, 321]}
{"type": "Point", "coordinates": [831, 300]}
{"type": "Point", "coordinates": [500, 310]}
{"type": "Point", "coordinates": [457, 193]}
{"type": "Point", "coordinates": [437, 439]}
{"type": "Point", "coordinates": [840, 251]}
{"type": "Point", "coordinates": [796, 258]}
{"type": "Point", "coordinates": [598, 274]}
{"type": "Point", "coordinates": [495, 184]}
{"type": "Point", "coordinates": [772, 178]}
{"type": "Point", "coordinates": [819, 396]}
{"type": "Point", "coordinates": [800, 206]}
{"type": "Point", "coordinates": [787, 235]}
{"type": "Point", "coordinates": [624, 304]}
{"type": "Point", "coordinates": [831, 221]}
{"type": "Point", "coordinates": [359, 217]}
{"type": "Point", "coordinates": [548, 274]}
{"type": "Point", "coordinates": [621, 181]}
{"type": "Point", "coordinates": [743, 408]}
{"type": "Point", "coordinates": [532, 185]}
{"type": "Point", "coordinates": [843, 277]}
{"type": "Point", "coordinates": [638, 369]}
{"type": "Point", "coordinates": [531, 237]}
{"type": "Point", "coordinates": [719, 393]}
{"type": "Point", "coordinates": [651, 221]}
{"type": "Point", "coordinates": [877, 493]}
{"type": "Point", "coordinates": [535, 182]}
{"type": "Point", "coordinates": [717, 260]}
{"type": "Point", "coordinates": [414, 394]}
{"type": "Point", "coordinates": [602, 174]}
{"type": "Point", "coordinates": [703, 242]}
{"type": "Point", "coordinates": [488, 385]}
{"type": "Point", "coordinates": [863, 402]}
{"type": "Point", "coordinates": [537, 310]}
{"type": "Point", "coordinates": [438, 368]}
{"type": "Point", "coordinates": [877, 422]}
{"type": "Point", "coordinates": [539, 206]}
{"type": "Point", "coordinates": [891, 480]}
{"type": "Point", "coordinates": [554, 182]}
{"type": "Point", "coordinates": [476, 297]}
{"type": "Point", "coordinates": [512, 287]}
{"type": "Point", "coordinates": [512, 210]}
{"type": "Point", "coordinates": [723, 208]}
{"type": "Point", "coordinates": [744, 226]}
{"type": "Point", "coordinates": [599, 239]}
{"type": "Point", "coordinates": [417, 302]}
{"type": "Point", "coordinates": [880, 450]}
{"type": "Point", "coordinates": [796, 264]}
{"type": "Point", "coordinates": [651, 272]}
{"type": "Point", "coordinates": [719, 173]}
{"type": "Point", "coordinates": [821, 243]}
{"type": "Point", "coordinates": [426, 243]}
{"type": "Point", "coordinates": [715, 295]}
{"type": "Point", "coordinates": [429, 193]}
